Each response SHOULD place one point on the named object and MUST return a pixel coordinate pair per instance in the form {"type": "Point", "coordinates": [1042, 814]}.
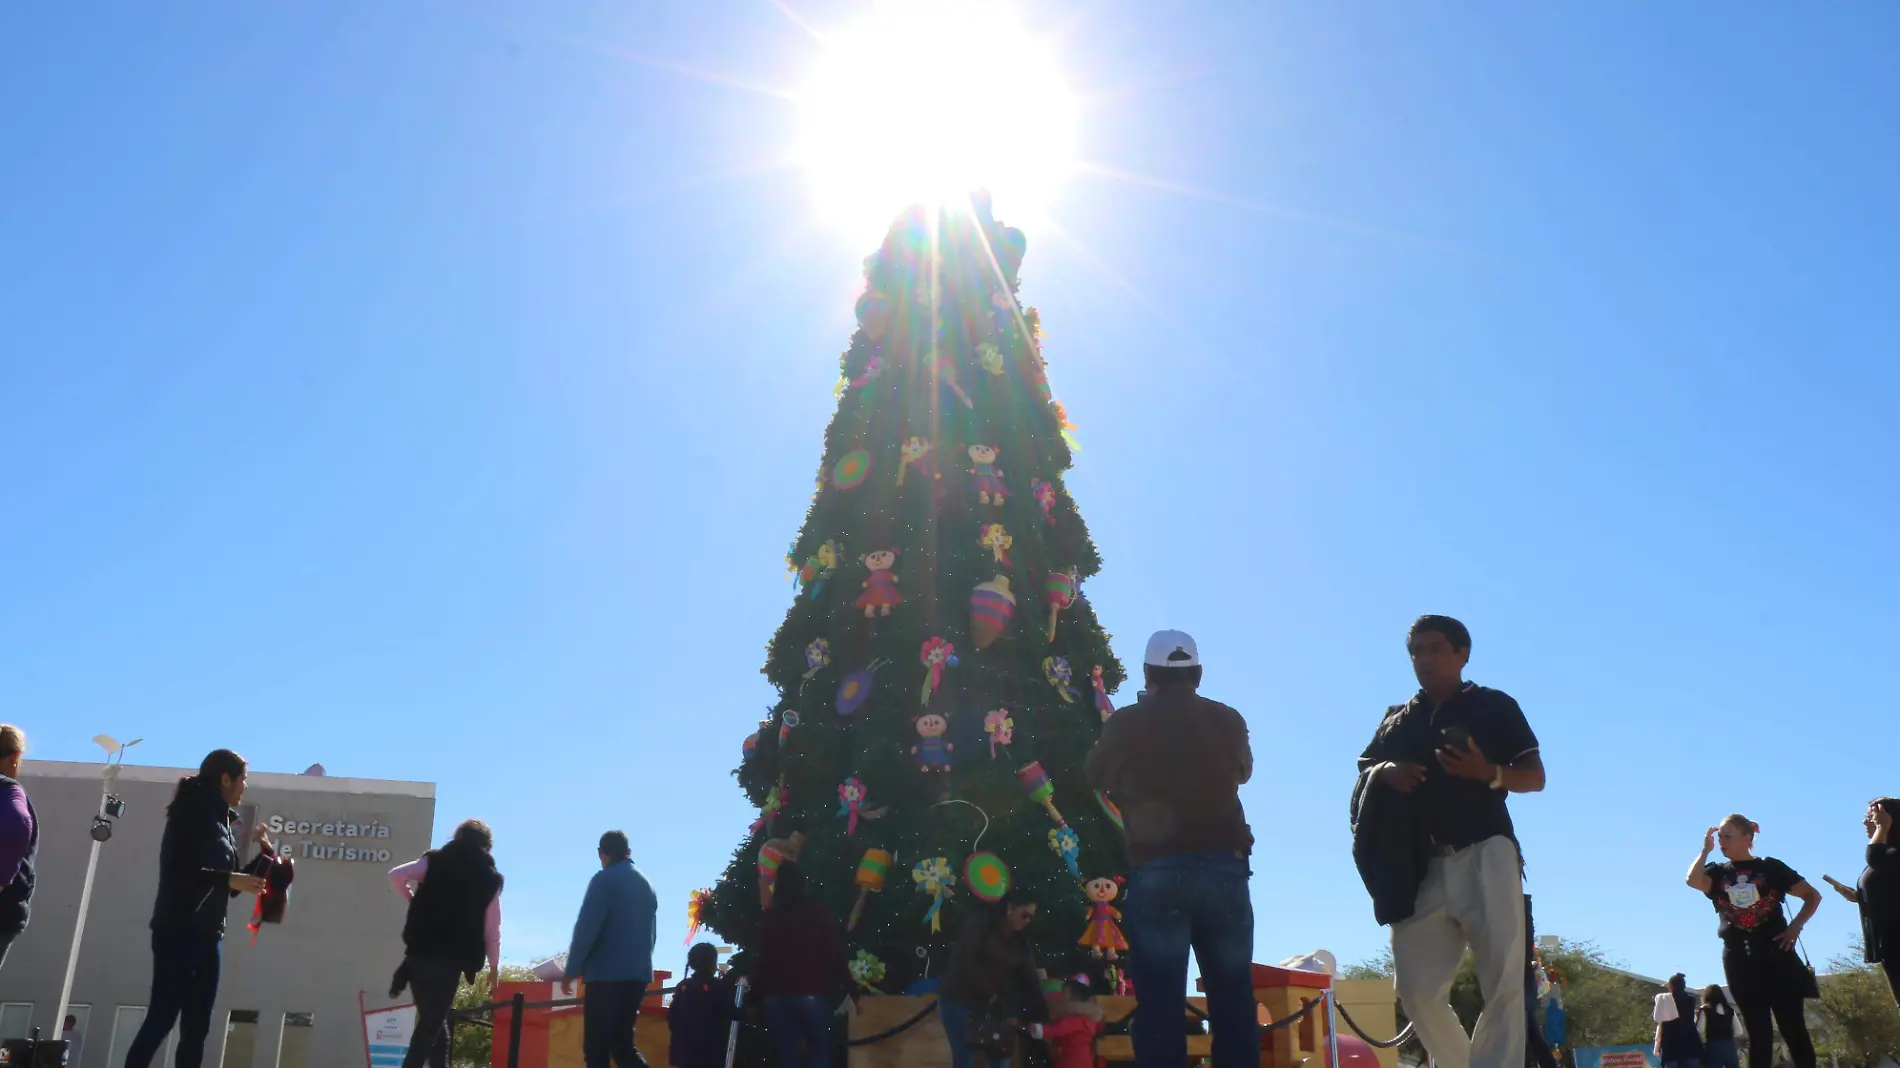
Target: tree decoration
{"type": "Point", "coordinates": [1068, 428]}
{"type": "Point", "coordinates": [817, 658]}
{"type": "Point", "coordinates": [871, 367]}
{"type": "Point", "coordinates": [1104, 936]}
{"type": "Point", "coordinates": [880, 589]}
{"type": "Point", "coordinates": [1045, 494]}
{"type": "Point", "coordinates": [1102, 703]}
{"type": "Point", "coordinates": [748, 747]}
{"type": "Point", "coordinates": [772, 855]}
{"type": "Point", "coordinates": [872, 868]}
{"type": "Point", "coordinates": [874, 314]}
{"type": "Point", "coordinates": [867, 971]}
{"type": "Point", "coordinates": [851, 794]}
{"type": "Point", "coordinates": [933, 877]}
{"type": "Point", "coordinates": [992, 606]}
{"type": "Point", "coordinates": [818, 567]}
{"type": "Point", "coordinates": [1056, 670]}
{"type": "Point", "coordinates": [944, 371]}
{"type": "Point", "coordinates": [1058, 592]}
{"type": "Point", "coordinates": [913, 453]}
{"type": "Point", "coordinates": [1068, 845]}
{"type": "Point", "coordinates": [932, 751]}
{"type": "Point", "coordinates": [1000, 728]}
{"type": "Point", "coordinates": [985, 479]}
{"type": "Point", "coordinates": [1037, 787]}
{"type": "Point", "coordinates": [987, 875]}
{"type": "Point", "coordinates": [775, 801]}
{"type": "Point", "coordinates": [786, 724]}
{"type": "Point", "coordinates": [698, 910]}
{"type": "Point", "coordinates": [856, 688]}
{"type": "Point", "coordinates": [851, 469]}
{"type": "Point", "coordinates": [936, 655]}
{"type": "Point", "coordinates": [1110, 810]}
{"type": "Point", "coordinates": [990, 357]}
{"type": "Point", "coordinates": [996, 539]}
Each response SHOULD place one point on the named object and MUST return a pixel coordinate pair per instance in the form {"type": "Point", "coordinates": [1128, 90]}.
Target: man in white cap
{"type": "Point", "coordinates": [1174, 763]}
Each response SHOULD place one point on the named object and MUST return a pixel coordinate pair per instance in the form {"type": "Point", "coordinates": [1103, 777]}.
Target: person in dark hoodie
{"type": "Point", "coordinates": [454, 923]}
{"type": "Point", "coordinates": [198, 875]}
{"type": "Point", "coordinates": [19, 840]}
{"type": "Point", "coordinates": [699, 1017]}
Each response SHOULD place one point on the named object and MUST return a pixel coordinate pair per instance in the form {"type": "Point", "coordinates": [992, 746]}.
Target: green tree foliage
{"type": "Point", "coordinates": [945, 357]}
{"type": "Point", "coordinates": [474, 1044]}
{"type": "Point", "coordinates": [1859, 1024]}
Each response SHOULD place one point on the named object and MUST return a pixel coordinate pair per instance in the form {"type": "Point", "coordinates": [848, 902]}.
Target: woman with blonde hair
{"type": "Point", "coordinates": [19, 840]}
{"type": "Point", "coordinates": [1769, 982]}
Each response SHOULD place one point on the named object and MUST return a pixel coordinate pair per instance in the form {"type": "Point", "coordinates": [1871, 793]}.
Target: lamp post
{"type": "Point", "coordinates": [110, 808]}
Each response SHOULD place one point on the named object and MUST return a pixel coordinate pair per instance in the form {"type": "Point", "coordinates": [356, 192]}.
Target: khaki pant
{"type": "Point", "coordinates": [1474, 899]}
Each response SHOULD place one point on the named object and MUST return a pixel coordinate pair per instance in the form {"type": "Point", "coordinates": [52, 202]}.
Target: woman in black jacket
{"type": "Point", "coordinates": [198, 876]}
{"type": "Point", "coordinates": [1878, 891]}
{"type": "Point", "coordinates": [992, 977]}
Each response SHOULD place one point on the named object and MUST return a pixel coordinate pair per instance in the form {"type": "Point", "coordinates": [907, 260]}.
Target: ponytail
{"type": "Point", "coordinates": [211, 772]}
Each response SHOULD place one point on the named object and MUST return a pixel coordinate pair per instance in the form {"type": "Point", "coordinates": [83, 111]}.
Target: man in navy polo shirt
{"type": "Point", "coordinates": [1449, 757]}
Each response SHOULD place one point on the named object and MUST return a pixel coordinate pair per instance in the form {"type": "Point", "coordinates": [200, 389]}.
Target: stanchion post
{"type": "Point", "coordinates": [1332, 1025]}
{"type": "Point", "coordinates": [514, 1030]}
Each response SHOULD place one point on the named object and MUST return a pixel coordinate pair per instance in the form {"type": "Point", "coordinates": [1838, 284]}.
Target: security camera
{"type": "Point", "coordinates": [115, 807]}
{"type": "Point", "coordinates": [101, 829]}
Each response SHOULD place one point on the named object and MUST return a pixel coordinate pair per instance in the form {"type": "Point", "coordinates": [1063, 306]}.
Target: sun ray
{"type": "Point", "coordinates": [659, 63]}
{"type": "Point", "coordinates": [1260, 208]}
{"type": "Point", "coordinates": [797, 20]}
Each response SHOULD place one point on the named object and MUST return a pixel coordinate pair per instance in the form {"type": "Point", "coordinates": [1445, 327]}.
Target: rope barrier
{"type": "Point", "coordinates": [890, 1032]}
{"type": "Point", "coordinates": [1394, 1042]}
{"type": "Point", "coordinates": [1121, 1026]}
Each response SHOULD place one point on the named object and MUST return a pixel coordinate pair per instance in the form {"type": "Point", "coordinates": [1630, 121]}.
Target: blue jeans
{"type": "Point", "coordinates": [185, 966]}
{"type": "Point", "coordinates": [801, 1029]}
{"type": "Point", "coordinates": [1723, 1054]}
{"type": "Point", "coordinates": [1197, 901]}
{"type": "Point", "coordinates": [956, 1029]}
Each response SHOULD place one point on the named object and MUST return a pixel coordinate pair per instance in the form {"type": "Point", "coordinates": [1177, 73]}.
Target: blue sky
{"type": "Point", "coordinates": [431, 390]}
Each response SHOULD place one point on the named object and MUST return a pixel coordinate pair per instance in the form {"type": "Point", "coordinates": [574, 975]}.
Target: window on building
{"type": "Point", "coordinates": [294, 1050]}
{"type": "Point", "coordinates": [16, 1020]}
{"type": "Point", "coordinates": [82, 1025]}
{"type": "Point", "coordinates": [126, 1021]}
{"type": "Point", "coordinates": [240, 1039]}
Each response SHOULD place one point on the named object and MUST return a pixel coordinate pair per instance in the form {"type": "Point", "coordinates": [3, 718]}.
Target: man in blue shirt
{"type": "Point", "coordinates": [612, 951]}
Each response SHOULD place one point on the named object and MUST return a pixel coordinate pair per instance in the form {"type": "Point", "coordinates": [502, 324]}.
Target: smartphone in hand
{"type": "Point", "coordinates": [1454, 738]}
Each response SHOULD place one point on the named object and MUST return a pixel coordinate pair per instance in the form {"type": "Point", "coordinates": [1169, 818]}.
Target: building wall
{"type": "Point", "coordinates": [341, 937]}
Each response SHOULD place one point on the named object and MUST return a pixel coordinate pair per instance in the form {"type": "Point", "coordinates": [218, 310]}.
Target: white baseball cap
{"type": "Point", "coordinates": [1172, 649]}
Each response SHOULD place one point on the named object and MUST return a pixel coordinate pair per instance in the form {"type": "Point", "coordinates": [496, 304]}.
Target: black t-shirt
{"type": "Point", "coordinates": [1718, 1022]}
{"type": "Point", "coordinates": [1456, 812]}
{"type": "Point", "coordinates": [1880, 904]}
{"type": "Point", "coordinates": [1747, 895]}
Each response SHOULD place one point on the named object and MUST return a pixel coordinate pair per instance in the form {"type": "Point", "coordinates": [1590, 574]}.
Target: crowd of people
{"type": "Point", "coordinates": [1432, 838]}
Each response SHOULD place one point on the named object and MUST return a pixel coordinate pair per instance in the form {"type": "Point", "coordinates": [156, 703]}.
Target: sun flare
{"type": "Point", "coordinates": [925, 100]}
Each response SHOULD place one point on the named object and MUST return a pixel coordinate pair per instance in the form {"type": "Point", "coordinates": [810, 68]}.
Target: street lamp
{"type": "Point", "coordinates": [110, 808]}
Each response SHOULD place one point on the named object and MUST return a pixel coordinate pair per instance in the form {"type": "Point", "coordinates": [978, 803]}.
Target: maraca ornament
{"type": "Point", "coordinates": [992, 606]}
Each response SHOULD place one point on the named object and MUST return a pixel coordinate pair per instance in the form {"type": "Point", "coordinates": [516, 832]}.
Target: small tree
{"type": "Point", "coordinates": [474, 1045]}
{"type": "Point", "coordinates": [1861, 1025]}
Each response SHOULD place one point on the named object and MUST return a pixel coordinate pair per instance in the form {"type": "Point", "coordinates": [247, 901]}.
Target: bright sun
{"type": "Point", "coordinates": [925, 100]}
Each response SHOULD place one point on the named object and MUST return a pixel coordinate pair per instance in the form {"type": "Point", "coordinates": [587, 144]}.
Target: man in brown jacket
{"type": "Point", "coordinates": [1174, 763]}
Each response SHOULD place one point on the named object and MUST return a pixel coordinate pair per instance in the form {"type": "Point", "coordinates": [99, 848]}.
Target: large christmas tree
{"type": "Point", "coordinates": [938, 667]}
